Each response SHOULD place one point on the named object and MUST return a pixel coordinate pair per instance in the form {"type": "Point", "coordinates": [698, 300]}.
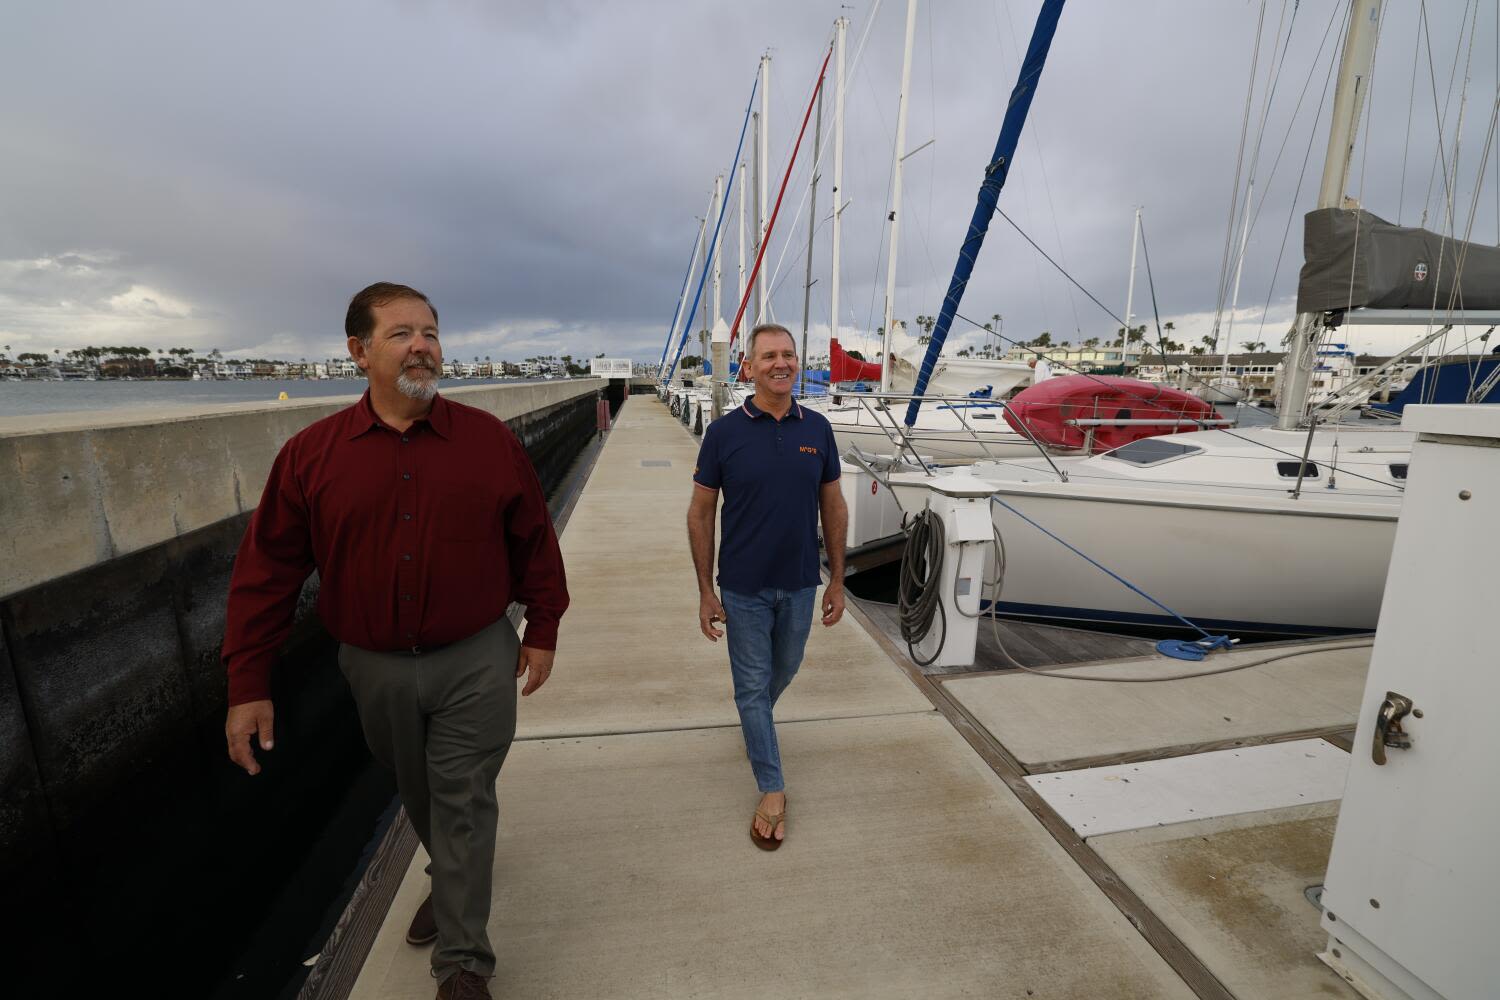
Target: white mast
{"type": "Point", "coordinates": [755, 244]}
{"type": "Point", "coordinates": [839, 27]}
{"type": "Point", "coordinates": [900, 155]}
{"type": "Point", "coordinates": [812, 229]}
{"type": "Point", "coordinates": [742, 236]}
{"type": "Point", "coordinates": [1135, 238]}
{"type": "Point", "coordinates": [1239, 267]}
{"type": "Point", "coordinates": [718, 248]}
{"type": "Point", "coordinates": [1348, 105]}
{"type": "Point", "coordinates": [762, 307]}
{"type": "Point", "coordinates": [683, 300]}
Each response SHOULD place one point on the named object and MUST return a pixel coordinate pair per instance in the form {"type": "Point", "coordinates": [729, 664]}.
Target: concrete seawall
{"type": "Point", "coordinates": [79, 490]}
{"type": "Point", "coordinates": [120, 537]}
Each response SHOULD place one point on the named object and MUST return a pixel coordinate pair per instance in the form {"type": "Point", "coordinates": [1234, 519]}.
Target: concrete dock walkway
{"type": "Point", "coordinates": [624, 866]}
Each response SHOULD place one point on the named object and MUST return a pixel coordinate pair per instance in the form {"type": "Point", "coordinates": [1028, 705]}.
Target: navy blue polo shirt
{"type": "Point", "coordinates": [770, 472]}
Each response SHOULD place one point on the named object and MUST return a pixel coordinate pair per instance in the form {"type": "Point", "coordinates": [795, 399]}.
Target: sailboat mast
{"type": "Point", "coordinates": [681, 302]}
{"type": "Point", "coordinates": [1239, 267]}
{"type": "Point", "coordinates": [900, 156]}
{"type": "Point", "coordinates": [1135, 239]}
{"type": "Point", "coordinates": [1348, 105]}
{"type": "Point", "coordinates": [839, 27]}
{"type": "Point", "coordinates": [718, 312]}
{"type": "Point", "coordinates": [741, 169]}
{"type": "Point", "coordinates": [759, 229]}
{"type": "Point", "coordinates": [812, 228]}
{"type": "Point", "coordinates": [762, 306]}
{"type": "Point", "coordinates": [703, 312]}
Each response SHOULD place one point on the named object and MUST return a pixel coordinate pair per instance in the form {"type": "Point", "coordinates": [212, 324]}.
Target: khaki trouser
{"type": "Point", "coordinates": [443, 722]}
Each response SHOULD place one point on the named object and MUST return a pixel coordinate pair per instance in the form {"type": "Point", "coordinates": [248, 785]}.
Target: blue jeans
{"type": "Point", "coordinates": [766, 631]}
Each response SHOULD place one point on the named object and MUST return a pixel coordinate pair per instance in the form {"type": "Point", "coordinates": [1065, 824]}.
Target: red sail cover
{"type": "Point", "coordinates": [1046, 409]}
{"type": "Point", "coordinates": [843, 368]}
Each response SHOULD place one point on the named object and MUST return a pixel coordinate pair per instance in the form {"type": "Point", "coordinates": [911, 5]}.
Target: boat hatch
{"type": "Point", "coordinates": [1152, 451]}
{"type": "Point", "coordinates": [1291, 470]}
{"type": "Point", "coordinates": [1398, 470]}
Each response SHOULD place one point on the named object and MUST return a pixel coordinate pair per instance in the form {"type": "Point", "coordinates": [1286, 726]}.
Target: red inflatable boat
{"type": "Point", "coordinates": [843, 368]}
{"type": "Point", "coordinates": [1061, 411]}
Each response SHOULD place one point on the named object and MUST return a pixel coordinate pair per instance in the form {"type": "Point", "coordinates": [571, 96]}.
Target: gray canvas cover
{"type": "Point", "coordinates": [1358, 260]}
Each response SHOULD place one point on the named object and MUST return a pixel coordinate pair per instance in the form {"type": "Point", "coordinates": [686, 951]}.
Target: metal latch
{"type": "Point", "coordinates": [1388, 731]}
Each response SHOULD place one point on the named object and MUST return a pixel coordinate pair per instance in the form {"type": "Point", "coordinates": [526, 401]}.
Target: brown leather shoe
{"type": "Point", "coordinates": [464, 985]}
{"type": "Point", "coordinates": [423, 929]}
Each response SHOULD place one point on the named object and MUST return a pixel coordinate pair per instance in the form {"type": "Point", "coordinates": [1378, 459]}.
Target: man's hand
{"type": "Point", "coordinates": [710, 611]}
{"type": "Point", "coordinates": [536, 664]}
{"type": "Point", "coordinates": [833, 603]}
{"type": "Point", "coordinates": [246, 720]}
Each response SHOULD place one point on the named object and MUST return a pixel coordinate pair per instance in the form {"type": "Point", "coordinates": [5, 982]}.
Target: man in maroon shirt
{"type": "Point", "coordinates": [424, 520]}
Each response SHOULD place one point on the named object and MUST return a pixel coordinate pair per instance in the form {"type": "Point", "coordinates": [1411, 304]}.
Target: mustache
{"type": "Point", "coordinates": [423, 363]}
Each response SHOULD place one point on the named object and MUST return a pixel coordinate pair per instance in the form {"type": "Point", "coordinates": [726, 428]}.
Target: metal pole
{"type": "Point", "coordinates": [1239, 267]}
{"type": "Point", "coordinates": [703, 310]}
{"type": "Point", "coordinates": [681, 305]}
{"type": "Point", "coordinates": [900, 155]}
{"type": "Point", "coordinates": [742, 232]}
{"type": "Point", "coordinates": [838, 172]}
{"type": "Point", "coordinates": [718, 246]}
{"type": "Point", "coordinates": [759, 227]}
{"type": "Point", "coordinates": [1348, 105]}
{"type": "Point", "coordinates": [1135, 238]}
{"type": "Point", "coordinates": [762, 302]}
{"type": "Point", "coordinates": [812, 221]}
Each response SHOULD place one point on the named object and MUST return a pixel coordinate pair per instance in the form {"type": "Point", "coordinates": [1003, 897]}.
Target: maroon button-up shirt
{"type": "Point", "coordinates": [420, 538]}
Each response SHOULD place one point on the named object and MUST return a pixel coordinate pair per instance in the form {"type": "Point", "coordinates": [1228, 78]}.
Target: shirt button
{"type": "Point", "coordinates": [406, 557]}
{"type": "Point", "coordinates": [406, 517]}
{"type": "Point", "coordinates": [404, 439]}
{"type": "Point", "coordinates": [406, 597]}
{"type": "Point", "coordinates": [406, 475]}
{"type": "Point", "coordinates": [411, 635]}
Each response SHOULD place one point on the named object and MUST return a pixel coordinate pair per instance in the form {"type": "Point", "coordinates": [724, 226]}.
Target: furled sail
{"type": "Point", "coordinates": [1354, 259]}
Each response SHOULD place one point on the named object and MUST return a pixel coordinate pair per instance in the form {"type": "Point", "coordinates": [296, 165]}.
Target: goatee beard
{"type": "Point", "coordinates": [417, 388]}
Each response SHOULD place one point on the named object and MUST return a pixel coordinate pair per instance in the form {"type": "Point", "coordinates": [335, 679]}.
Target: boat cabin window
{"type": "Point", "coordinates": [981, 416]}
{"type": "Point", "coordinates": [1398, 470]}
{"type": "Point", "coordinates": [1289, 470]}
{"type": "Point", "coordinates": [1152, 450]}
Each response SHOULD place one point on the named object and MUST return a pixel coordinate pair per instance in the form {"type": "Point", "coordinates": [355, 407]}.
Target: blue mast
{"type": "Point", "coordinates": [989, 191]}
{"type": "Point", "coordinates": [687, 320]}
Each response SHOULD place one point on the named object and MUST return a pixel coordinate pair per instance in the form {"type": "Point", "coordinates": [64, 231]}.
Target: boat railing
{"type": "Point", "coordinates": [876, 403]}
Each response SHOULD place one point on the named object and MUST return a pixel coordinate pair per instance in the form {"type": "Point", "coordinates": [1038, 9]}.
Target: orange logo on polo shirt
{"type": "Point", "coordinates": [809, 449]}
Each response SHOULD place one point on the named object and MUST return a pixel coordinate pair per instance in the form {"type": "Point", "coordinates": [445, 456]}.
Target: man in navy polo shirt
{"type": "Point", "coordinates": [777, 464]}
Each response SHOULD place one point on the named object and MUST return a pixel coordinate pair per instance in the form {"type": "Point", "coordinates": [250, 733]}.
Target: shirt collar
{"type": "Point", "coordinates": [365, 419]}
{"type": "Point", "coordinates": [753, 411]}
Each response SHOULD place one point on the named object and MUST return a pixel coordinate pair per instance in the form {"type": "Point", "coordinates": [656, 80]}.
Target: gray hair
{"type": "Point", "coordinates": [766, 328]}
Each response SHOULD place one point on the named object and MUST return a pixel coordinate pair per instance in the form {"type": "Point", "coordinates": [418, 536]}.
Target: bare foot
{"type": "Point", "coordinates": [771, 804]}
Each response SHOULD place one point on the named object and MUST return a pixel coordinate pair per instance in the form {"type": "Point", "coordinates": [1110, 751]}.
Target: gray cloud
{"type": "Point", "coordinates": [229, 177]}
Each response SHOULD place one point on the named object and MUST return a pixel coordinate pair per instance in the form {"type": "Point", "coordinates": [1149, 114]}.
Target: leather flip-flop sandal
{"type": "Point", "coordinates": [773, 821]}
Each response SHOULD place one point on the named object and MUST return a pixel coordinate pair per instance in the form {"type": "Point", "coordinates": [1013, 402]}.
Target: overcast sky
{"type": "Point", "coordinates": [209, 175]}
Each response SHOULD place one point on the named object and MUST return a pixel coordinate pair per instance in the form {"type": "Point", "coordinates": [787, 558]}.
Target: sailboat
{"type": "Point", "coordinates": [1283, 530]}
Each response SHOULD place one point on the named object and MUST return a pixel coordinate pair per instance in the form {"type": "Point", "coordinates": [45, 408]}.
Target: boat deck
{"type": "Point", "coordinates": [992, 833]}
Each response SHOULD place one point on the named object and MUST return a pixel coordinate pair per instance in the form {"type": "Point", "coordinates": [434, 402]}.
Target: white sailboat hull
{"type": "Point", "coordinates": [1269, 566]}
{"type": "Point", "coordinates": [1220, 390]}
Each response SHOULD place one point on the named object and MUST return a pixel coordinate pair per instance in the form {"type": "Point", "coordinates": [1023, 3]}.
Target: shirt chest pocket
{"type": "Point", "coordinates": [467, 517]}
